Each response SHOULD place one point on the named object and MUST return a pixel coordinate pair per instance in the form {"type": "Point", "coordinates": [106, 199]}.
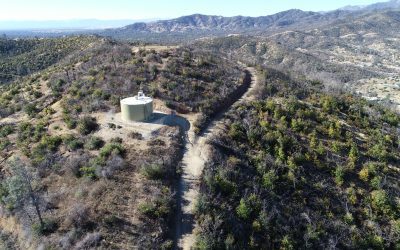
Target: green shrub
{"type": "Point", "coordinates": [224, 185]}
{"type": "Point", "coordinates": [89, 172]}
{"type": "Point", "coordinates": [269, 179]}
{"type": "Point", "coordinates": [37, 94]}
{"type": "Point", "coordinates": [236, 131]}
{"type": "Point", "coordinates": [380, 202]}
{"type": "Point", "coordinates": [4, 144]}
{"type": "Point", "coordinates": [287, 243]}
{"type": "Point", "coordinates": [167, 245]}
{"type": "Point", "coordinates": [112, 126]}
{"type": "Point", "coordinates": [147, 208]}
{"type": "Point", "coordinates": [373, 242]}
{"type": "Point", "coordinates": [320, 149]}
{"type": "Point", "coordinates": [159, 208]}
{"type": "Point", "coordinates": [93, 72]}
{"type": "Point", "coordinates": [339, 175]}
{"type": "Point", "coordinates": [47, 145]}
{"type": "Point", "coordinates": [376, 182]}
{"type": "Point", "coordinates": [364, 174]}
{"type": "Point", "coordinates": [51, 142]}
{"type": "Point", "coordinates": [353, 155]}
{"type": "Point", "coordinates": [336, 147]}
{"type": "Point", "coordinates": [77, 108]}
{"type": "Point", "coordinates": [297, 124]}
{"type": "Point", "coordinates": [38, 132]}
{"type": "Point", "coordinates": [396, 226]}
{"type": "Point", "coordinates": [31, 110]}
{"type": "Point", "coordinates": [153, 171]}
{"type": "Point", "coordinates": [87, 125]}
{"type": "Point", "coordinates": [243, 210]}
{"type": "Point", "coordinates": [97, 93]}
{"type": "Point", "coordinates": [348, 218]}
{"type": "Point", "coordinates": [329, 104]}
{"type": "Point", "coordinates": [69, 121]}
{"type": "Point", "coordinates": [112, 220]}
{"type": "Point", "coordinates": [94, 143]}
{"type": "Point", "coordinates": [391, 118]}
{"type": "Point", "coordinates": [379, 151]}
{"type": "Point", "coordinates": [117, 140]}
{"type": "Point", "coordinates": [48, 227]}
{"type": "Point", "coordinates": [136, 135]}
{"type": "Point", "coordinates": [72, 143]}
{"type": "Point", "coordinates": [49, 111]}
{"type": "Point", "coordinates": [30, 133]}
{"type": "Point", "coordinates": [6, 130]}
{"type": "Point", "coordinates": [112, 148]}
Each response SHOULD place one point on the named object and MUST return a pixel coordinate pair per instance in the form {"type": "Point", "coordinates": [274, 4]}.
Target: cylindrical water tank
{"type": "Point", "coordinates": [137, 108]}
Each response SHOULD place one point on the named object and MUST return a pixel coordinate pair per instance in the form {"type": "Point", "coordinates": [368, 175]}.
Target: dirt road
{"type": "Point", "coordinates": [194, 159]}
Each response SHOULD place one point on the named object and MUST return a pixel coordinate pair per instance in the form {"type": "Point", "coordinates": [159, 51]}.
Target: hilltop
{"type": "Point", "coordinates": [96, 180]}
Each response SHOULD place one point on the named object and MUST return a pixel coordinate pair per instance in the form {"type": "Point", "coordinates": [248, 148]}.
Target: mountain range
{"type": "Point", "coordinates": [376, 6]}
{"type": "Point", "coordinates": [198, 25]}
{"type": "Point", "coordinates": [192, 26]}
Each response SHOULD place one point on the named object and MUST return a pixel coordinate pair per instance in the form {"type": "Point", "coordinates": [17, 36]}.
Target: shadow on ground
{"type": "Point", "coordinates": [169, 120]}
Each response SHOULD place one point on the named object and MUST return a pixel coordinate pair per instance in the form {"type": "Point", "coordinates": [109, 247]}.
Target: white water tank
{"type": "Point", "coordinates": [137, 108]}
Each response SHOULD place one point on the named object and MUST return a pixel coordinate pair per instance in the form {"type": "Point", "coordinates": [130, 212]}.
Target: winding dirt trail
{"type": "Point", "coordinates": [194, 159]}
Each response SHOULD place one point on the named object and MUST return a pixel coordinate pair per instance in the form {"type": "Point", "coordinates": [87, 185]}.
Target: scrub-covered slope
{"type": "Point", "coordinates": [301, 168]}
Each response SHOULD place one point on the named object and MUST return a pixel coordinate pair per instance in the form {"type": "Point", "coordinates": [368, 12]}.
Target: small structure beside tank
{"type": "Point", "coordinates": [137, 109]}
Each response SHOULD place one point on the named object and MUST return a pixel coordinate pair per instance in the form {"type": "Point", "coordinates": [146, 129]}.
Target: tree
{"type": "Point", "coordinates": [313, 140]}
{"type": "Point", "coordinates": [339, 174]}
{"type": "Point", "coordinates": [243, 210]}
{"type": "Point", "coordinates": [20, 192]}
{"type": "Point", "coordinates": [353, 155]}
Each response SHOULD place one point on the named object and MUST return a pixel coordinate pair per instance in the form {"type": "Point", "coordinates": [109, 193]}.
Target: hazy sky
{"type": "Point", "coordinates": [143, 9]}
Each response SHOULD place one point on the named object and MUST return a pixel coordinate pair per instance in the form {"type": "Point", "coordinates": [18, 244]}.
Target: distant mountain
{"type": "Point", "coordinates": [394, 4]}
{"type": "Point", "coordinates": [204, 22]}
{"type": "Point", "coordinates": [197, 25]}
{"type": "Point", "coordinates": [201, 26]}
{"type": "Point", "coordinates": [189, 28]}
{"type": "Point", "coordinates": [342, 52]}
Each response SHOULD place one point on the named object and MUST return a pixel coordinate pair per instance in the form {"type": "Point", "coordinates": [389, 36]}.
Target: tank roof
{"type": "Point", "coordinates": [137, 100]}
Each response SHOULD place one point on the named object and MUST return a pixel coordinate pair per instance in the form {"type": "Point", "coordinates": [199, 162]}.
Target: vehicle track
{"type": "Point", "coordinates": [193, 161]}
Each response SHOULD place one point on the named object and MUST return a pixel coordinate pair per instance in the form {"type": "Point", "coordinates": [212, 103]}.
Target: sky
{"type": "Point", "coordinates": [159, 9]}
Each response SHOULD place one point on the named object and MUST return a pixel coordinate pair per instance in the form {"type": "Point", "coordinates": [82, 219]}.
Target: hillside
{"type": "Point", "coordinates": [96, 181]}
{"type": "Point", "coordinates": [24, 57]}
{"type": "Point", "coordinates": [358, 54]}
{"type": "Point", "coordinates": [301, 168]}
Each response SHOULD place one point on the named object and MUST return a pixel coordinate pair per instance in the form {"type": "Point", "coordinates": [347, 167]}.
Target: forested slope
{"type": "Point", "coordinates": [20, 57]}
{"type": "Point", "coordinates": [302, 168]}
